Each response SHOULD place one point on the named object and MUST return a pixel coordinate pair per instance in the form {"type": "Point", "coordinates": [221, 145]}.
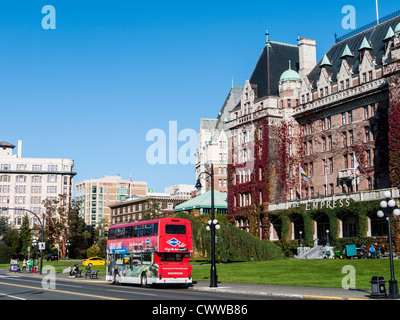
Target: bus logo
{"type": "Point", "coordinates": [147, 242]}
{"type": "Point", "coordinates": [173, 242]}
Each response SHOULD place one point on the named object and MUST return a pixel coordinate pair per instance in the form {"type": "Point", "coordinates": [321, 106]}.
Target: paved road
{"type": "Point", "coordinates": [32, 287]}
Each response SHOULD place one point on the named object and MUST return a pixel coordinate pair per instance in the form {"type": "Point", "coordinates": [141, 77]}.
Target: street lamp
{"type": "Point", "coordinates": [212, 226]}
{"type": "Point", "coordinates": [327, 238]}
{"type": "Point", "coordinates": [67, 245]}
{"type": "Point", "coordinates": [42, 225]}
{"type": "Point", "coordinates": [388, 207]}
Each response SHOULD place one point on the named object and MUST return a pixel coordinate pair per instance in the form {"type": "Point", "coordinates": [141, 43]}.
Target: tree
{"type": "Point", "coordinates": [25, 235]}
{"type": "Point", "coordinates": [75, 233]}
{"type": "Point", "coordinates": [4, 225]}
{"type": "Point", "coordinates": [63, 223]}
{"type": "Point", "coordinates": [93, 251]}
{"type": "Point", "coordinates": [12, 239]}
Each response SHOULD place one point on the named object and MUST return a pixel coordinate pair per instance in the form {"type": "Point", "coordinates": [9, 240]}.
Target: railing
{"type": "Point", "coordinates": [367, 26]}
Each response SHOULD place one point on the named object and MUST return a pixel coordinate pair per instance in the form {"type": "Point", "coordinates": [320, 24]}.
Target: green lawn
{"type": "Point", "coordinates": [318, 272]}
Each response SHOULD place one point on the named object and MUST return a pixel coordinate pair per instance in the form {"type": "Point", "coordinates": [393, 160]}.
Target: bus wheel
{"type": "Point", "coordinates": [143, 280]}
{"type": "Point", "coordinates": [116, 278]}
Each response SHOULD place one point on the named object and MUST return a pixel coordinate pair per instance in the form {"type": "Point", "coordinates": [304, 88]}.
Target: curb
{"type": "Point", "coordinates": [274, 294]}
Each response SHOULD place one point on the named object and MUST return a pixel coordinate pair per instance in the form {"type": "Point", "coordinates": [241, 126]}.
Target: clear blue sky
{"type": "Point", "coordinates": [111, 71]}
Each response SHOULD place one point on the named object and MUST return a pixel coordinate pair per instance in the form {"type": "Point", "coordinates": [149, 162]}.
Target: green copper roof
{"type": "Point", "coordinates": [364, 45]}
{"type": "Point", "coordinates": [347, 52]}
{"type": "Point", "coordinates": [389, 34]}
{"type": "Point", "coordinates": [397, 29]}
{"type": "Point", "coordinates": [289, 74]}
{"type": "Point", "coordinates": [204, 201]}
{"type": "Point", "coordinates": [325, 61]}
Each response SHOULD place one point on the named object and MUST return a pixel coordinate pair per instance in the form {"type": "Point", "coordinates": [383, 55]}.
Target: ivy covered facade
{"type": "Point", "coordinates": [327, 132]}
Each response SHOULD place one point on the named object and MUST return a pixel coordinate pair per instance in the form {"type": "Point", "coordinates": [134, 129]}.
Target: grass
{"type": "Point", "coordinates": [311, 273]}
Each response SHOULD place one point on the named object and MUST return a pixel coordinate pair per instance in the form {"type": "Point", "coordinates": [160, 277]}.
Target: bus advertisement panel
{"type": "Point", "coordinates": [150, 252]}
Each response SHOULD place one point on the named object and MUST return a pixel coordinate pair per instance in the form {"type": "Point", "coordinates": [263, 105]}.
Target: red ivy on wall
{"type": "Point", "coordinates": [255, 187]}
{"type": "Point", "coordinates": [394, 131]}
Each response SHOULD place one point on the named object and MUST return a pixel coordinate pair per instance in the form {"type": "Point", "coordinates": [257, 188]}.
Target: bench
{"type": "Point", "coordinates": [91, 274]}
{"type": "Point", "coordinates": [94, 274]}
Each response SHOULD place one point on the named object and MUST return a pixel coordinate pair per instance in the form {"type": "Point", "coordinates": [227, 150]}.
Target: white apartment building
{"type": "Point", "coordinates": [26, 182]}
{"type": "Point", "coordinates": [97, 194]}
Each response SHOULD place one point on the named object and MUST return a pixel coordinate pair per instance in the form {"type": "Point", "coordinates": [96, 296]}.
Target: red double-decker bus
{"type": "Point", "coordinates": [150, 252]}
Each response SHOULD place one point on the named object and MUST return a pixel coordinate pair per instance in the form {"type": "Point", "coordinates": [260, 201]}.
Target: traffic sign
{"type": "Point", "coordinates": [42, 246]}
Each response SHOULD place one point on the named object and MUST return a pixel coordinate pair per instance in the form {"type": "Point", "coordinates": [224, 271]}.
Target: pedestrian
{"type": "Point", "coordinates": [24, 265]}
{"type": "Point", "coordinates": [372, 252]}
{"type": "Point", "coordinates": [364, 251]}
{"type": "Point", "coordinates": [30, 265]}
{"type": "Point", "coordinates": [378, 250]}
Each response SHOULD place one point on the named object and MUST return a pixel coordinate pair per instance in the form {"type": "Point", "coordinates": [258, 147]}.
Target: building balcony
{"type": "Point", "coordinates": [346, 174]}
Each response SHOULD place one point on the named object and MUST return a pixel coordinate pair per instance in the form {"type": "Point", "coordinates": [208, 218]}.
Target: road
{"type": "Point", "coordinates": [28, 287]}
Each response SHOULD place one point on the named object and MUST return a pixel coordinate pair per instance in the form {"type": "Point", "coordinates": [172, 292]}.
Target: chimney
{"type": "Point", "coordinates": [307, 56]}
{"type": "Point", "coordinates": [19, 148]}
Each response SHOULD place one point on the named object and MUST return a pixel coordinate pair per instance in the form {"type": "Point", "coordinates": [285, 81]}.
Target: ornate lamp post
{"type": "Point", "coordinates": [213, 270]}
{"type": "Point", "coordinates": [389, 207]}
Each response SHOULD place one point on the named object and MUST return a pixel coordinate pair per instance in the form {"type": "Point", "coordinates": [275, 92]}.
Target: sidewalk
{"type": "Point", "coordinates": [285, 291]}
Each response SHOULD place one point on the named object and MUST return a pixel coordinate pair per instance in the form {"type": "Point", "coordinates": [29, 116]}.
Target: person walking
{"type": "Point", "coordinates": [24, 265]}
{"type": "Point", "coordinates": [372, 252]}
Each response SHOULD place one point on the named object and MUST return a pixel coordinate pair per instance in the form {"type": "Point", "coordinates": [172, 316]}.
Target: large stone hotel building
{"type": "Point", "coordinates": [311, 144]}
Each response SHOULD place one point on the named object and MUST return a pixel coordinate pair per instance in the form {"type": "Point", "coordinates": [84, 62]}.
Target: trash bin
{"type": "Point", "coordinates": [378, 287]}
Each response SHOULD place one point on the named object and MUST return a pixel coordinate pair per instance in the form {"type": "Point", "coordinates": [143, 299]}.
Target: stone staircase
{"type": "Point", "coordinates": [315, 252]}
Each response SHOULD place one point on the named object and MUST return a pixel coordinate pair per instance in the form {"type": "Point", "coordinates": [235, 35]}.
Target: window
{"type": "Point", "coordinates": [155, 229]}
{"type": "Point", "coordinates": [345, 139]}
{"type": "Point", "coordinates": [111, 234]}
{"type": "Point", "coordinates": [366, 112]}
{"type": "Point", "coordinates": [351, 137]}
{"type": "Point", "coordinates": [148, 230]}
{"type": "Point", "coordinates": [129, 232]}
{"type": "Point", "coordinates": [329, 122]}
{"type": "Point", "coordinates": [138, 231]}
{"type": "Point", "coordinates": [175, 229]}
{"type": "Point", "coordinates": [367, 134]}
{"type": "Point", "coordinates": [369, 158]}
{"type": "Point", "coordinates": [120, 233]}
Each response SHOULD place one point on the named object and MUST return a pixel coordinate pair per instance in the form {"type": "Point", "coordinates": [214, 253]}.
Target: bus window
{"type": "Point", "coordinates": [155, 229]}
{"type": "Point", "coordinates": [148, 230]}
{"type": "Point", "coordinates": [175, 229]}
{"type": "Point", "coordinates": [171, 256]}
{"type": "Point", "coordinates": [111, 234]}
{"type": "Point", "coordinates": [120, 233]}
{"type": "Point", "coordinates": [128, 232]}
{"type": "Point", "coordinates": [138, 231]}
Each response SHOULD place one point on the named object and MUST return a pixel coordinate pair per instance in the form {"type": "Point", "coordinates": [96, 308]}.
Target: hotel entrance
{"type": "Point", "coordinates": [322, 222]}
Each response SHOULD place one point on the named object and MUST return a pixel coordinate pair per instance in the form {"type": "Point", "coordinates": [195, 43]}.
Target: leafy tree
{"type": "Point", "coordinates": [93, 251]}
{"type": "Point", "coordinates": [75, 233]}
{"type": "Point", "coordinates": [4, 225]}
{"type": "Point", "coordinates": [25, 235]}
{"type": "Point", "coordinates": [12, 239]}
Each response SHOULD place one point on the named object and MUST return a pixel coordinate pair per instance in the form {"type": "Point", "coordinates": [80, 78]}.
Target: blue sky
{"type": "Point", "coordinates": [91, 89]}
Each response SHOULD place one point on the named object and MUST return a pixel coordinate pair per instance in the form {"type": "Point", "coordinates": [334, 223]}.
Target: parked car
{"type": "Point", "coordinates": [94, 261]}
{"type": "Point", "coordinates": [52, 257]}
